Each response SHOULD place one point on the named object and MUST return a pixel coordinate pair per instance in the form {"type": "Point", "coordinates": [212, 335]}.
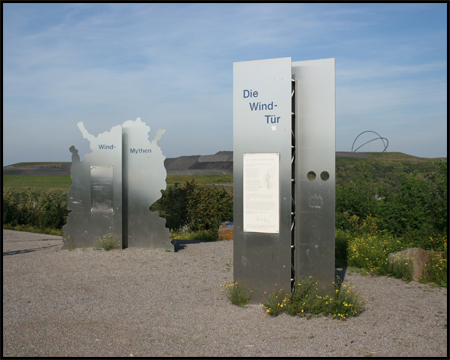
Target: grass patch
{"type": "Point", "coordinates": [370, 251]}
{"type": "Point", "coordinates": [32, 229]}
{"type": "Point", "coordinates": [236, 294]}
{"type": "Point", "coordinates": [402, 268]}
{"type": "Point", "coordinates": [21, 182]}
{"type": "Point", "coordinates": [34, 163]}
{"type": "Point", "coordinates": [367, 253]}
{"type": "Point", "coordinates": [200, 179]}
{"type": "Point", "coordinates": [354, 269]}
{"type": "Point", "coordinates": [436, 270]}
{"type": "Point", "coordinates": [275, 303]}
{"type": "Point", "coordinates": [202, 235]}
{"type": "Point", "coordinates": [68, 243]}
{"type": "Point", "coordinates": [109, 242]}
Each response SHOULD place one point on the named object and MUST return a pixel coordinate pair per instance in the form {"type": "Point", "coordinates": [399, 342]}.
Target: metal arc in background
{"type": "Point", "coordinates": [379, 137]}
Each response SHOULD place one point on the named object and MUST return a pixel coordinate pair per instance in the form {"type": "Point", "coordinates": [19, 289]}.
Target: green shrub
{"type": "Point", "coordinates": [109, 242]}
{"type": "Point", "coordinates": [52, 210]}
{"type": "Point", "coordinates": [356, 197]}
{"type": "Point", "coordinates": [371, 251]}
{"type": "Point", "coordinates": [236, 294]}
{"type": "Point", "coordinates": [9, 208]}
{"type": "Point", "coordinates": [402, 268]}
{"type": "Point", "coordinates": [199, 207]}
{"type": "Point", "coordinates": [172, 206]}
{"type": "Point", "coordinates": [342, 238]}
{"type": "Point", "coordinates": [277, 303]}
{"type": "Point", "coordinates": [40, 210]}
{"type": "Point", "coordinates": [32, 229]}
{"type": "Point", "coordinates": [436, 270]}
{"type": "Point", "coordinates": [207, 207]}
{"type": "Point", "coordinates": [415, 210]}
{"type": "Point", "coordinates": [68, 243]}
{"type": "Point", "coordinates": [305, 301]}
{"type": "Point", "coordinates": [187, 234]}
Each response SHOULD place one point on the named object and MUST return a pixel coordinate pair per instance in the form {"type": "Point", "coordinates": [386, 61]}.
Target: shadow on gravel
{"type": "Point", "coordinates": [340, 274]}
{"type": "Point", "coordinates": [181, 244]}
{"type": "Point", "coordinates": [17, 252]}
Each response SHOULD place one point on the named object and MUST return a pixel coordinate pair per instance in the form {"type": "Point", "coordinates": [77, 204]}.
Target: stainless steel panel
{"type": "Point", "coordinates": [102, 182]}
{"type": "Point", "coordinates": [144, 177]}
{"type": "Point", "coordinates": [85, 227]}
{"type": "Point", "coordinates": [315, 153]}
{"type": "Point", "coordinates": [114, 186]}
{"type": "Point", "coordinates": [262, 124]}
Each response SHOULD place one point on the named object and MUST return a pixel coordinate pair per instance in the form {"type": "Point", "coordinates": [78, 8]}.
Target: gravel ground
{"type": "Point", "coordinates": [154, 303]}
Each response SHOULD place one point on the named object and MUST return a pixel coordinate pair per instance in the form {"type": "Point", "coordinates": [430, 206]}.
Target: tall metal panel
{"type": "Point", "coordinates": [144, 176]}
{"type": "Point", "coordinates": [262, 131]}
{"type": "Point", "coordinates": [95, 197]}
{"type": "Point", "coordinates": [315, 171]}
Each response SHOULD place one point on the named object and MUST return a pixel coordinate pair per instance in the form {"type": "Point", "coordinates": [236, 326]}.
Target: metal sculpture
{"type": "Point", "coordinates": [283, 132]}
{"type": "Point", "coordinates": [379, 137]}
{"type": "Point", "coordinates": [113, 188]}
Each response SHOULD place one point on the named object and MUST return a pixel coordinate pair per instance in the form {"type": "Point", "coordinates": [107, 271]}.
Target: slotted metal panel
{"type": "Point", "coordinates": [262, 125]}
{"type": "Point", "coordinates": [269, 256]}
{"type": "Point", "coordinates": [315, 171]}
{"type": "Point", "coordinates": [144, 175]}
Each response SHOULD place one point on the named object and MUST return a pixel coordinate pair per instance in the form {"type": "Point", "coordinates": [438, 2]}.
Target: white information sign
{"type": "Point", "coordinates": [261, 175]}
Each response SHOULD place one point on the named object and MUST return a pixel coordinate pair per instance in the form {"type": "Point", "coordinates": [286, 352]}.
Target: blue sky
{"type": "Point", "coordinates": [172, 66]}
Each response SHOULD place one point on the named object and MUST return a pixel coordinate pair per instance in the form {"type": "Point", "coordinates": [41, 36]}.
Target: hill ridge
{"type": "Point", "coordinates": [220, 163]}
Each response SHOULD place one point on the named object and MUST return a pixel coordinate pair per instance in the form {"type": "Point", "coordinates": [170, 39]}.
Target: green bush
{"type": "Point", "coordinates": [40, 210]}
{"type": "Point", "coordinates": [277, 303]}
{"type": "Point", "coordinates": [197, 207]}
{"type": "Point", "coordinates": [207, 207]}
{"type": "Point", "coordinates": [236, 294]}
{"type": "Point", "coordinates": [52, 210]}
{"type": "Point", "coordinates": [356, 197]}
{"type": "Point", "coordinates": [32, 229]}
{"type": "Point", "coordinates": [402, 267]}
{"type": "Point", "coordinates": [172, 206]}
{"type": "Point", "coordinates": [342, 239]}
{"type": "Point", "coordinates": [436, 269]}
{"type": "Point", "coordinates": [109, 242]}
{"type": "Point", "coordinates": [203, 235]}
{"type": "Point", "coordinates": [414, 211]}
{"type": "Point", "coordinates": [9, 208]}
{"type": "Point", "coordinates": [304, 301]}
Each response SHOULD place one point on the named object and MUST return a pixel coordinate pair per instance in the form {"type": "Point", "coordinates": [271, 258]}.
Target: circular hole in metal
{"type": "Point", "coordinates": [311, 175]}
{"type": "Point", "coordinates": [324, 175]}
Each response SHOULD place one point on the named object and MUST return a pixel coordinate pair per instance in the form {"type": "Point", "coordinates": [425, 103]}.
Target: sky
{"type": "Point", "coordinates": [172, 66]}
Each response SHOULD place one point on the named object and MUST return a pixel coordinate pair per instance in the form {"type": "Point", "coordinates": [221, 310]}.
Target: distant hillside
{"type": "Point", "coordinates": [217, 164]}
{"type": "Point", "coordinates": [38, 168]}
{"type": "Point", "coordinates": [385, 167]}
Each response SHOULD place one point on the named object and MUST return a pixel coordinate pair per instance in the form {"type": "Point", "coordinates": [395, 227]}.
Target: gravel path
{"type": "Point", "coordinates": [154, 303]}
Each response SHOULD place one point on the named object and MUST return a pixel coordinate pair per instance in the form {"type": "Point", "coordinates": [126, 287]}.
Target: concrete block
{"type": "Point", "coordinates": [414, 257]}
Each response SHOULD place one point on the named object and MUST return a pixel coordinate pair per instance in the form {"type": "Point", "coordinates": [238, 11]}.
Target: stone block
{"type": "Point", "coordinates": [416, 258]}
{"type": "Point", "coordinates": [226, 231]}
